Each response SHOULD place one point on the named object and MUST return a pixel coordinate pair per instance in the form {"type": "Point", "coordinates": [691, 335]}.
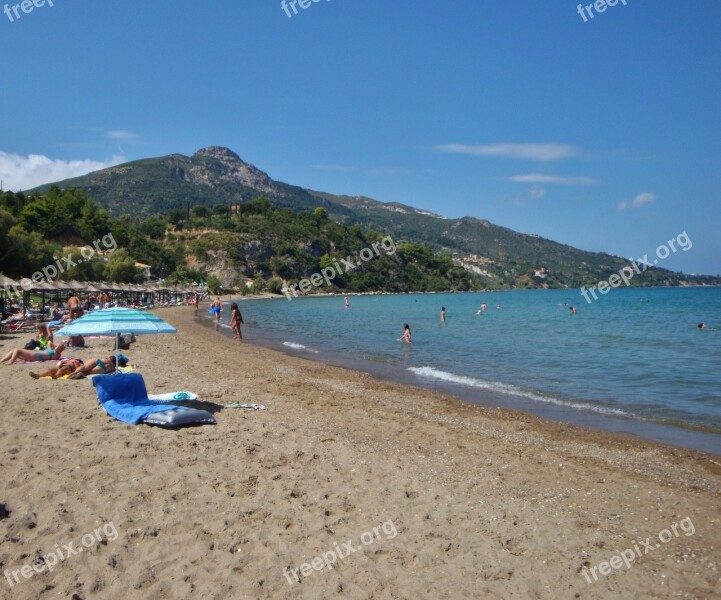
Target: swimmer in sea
{"type": "Point", "coordinates": [443, 314]}
{"type": "Point", "coordinates": [406, 337]}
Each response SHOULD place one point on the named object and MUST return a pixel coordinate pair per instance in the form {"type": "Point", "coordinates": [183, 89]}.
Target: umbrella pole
{"type": "Point", "coordinates": [117, 351]}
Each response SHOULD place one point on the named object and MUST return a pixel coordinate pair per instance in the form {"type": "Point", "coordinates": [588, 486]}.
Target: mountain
{"type": "Point", "coordinates": [211, 176]}
{"type": "Point", "coordinates": [499, 256]}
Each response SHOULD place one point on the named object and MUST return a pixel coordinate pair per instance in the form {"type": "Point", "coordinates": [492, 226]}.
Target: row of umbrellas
{"type": "Point", "coordinates": [97, 286]}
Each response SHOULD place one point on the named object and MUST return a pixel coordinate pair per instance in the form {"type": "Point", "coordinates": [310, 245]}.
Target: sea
{"type": "Point", "coordinates": [634, 361]}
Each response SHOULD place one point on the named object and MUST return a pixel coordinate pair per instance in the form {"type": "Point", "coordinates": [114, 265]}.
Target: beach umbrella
{"type": "Point", "coordinates": [42, 287]}
{"type": "Point", "coordinates": [7, 283]}
{"type": "Point", "coordinates": [114, 321]}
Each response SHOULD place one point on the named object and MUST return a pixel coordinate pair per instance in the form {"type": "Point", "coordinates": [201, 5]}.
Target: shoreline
{"type": "Point", "coordinates": [676, 434]}
{"type": "Point", "coordinates": [581, 433]}
{"type": "Point", "coordinates": [485, 502]}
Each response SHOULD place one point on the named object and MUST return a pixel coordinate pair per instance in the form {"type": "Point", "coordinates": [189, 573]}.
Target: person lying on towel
{"type": "Point", "coordinates": [65, 367]}
{"type": "Point", "coordinates": [98, 366]}
{"type": "Point", "coordinates": [52, 353]}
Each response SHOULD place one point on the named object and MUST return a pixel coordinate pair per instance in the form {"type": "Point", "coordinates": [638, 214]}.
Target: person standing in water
{"type": "Point", "coordinates": [346, 303]}
{"type": "Point", "coordinates": [443, 314]}
{"type": "Point", "coordinates": [406, 337]}
{"type": "Point", "coordinates": [216, 308]}
{"type": "Point", "coordinates": [236, 319]}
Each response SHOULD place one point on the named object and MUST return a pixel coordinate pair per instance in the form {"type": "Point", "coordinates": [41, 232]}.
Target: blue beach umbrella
{"type": "Point", "coordinates": [114, 321]}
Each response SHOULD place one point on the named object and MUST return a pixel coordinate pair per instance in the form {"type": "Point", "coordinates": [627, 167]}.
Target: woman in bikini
{"type": "Point", "coordinates": [236, 319]}
{"type": "Point", "coordinates": [14, 356]}
{"type": "Point", "coordinates": [406, 337]}
{"type": "Point", "coordinates": [97, 366]}
{"type": "Point", "coordinates": [65, 367]}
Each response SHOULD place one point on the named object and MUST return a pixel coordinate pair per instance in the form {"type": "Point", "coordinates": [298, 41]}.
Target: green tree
{"type": "Point", "coordinates": [213, 284]}
{"type": "Point", "coordinates": [177, 217]}
{"type": "Point", "coordinates": [275, 285]}
{"type": "Point", "coordinates": [7, 221]}
{"type": "Point", "coordinates": [121, 268]}
{"type": "Point", "coordinates": [200, 211]}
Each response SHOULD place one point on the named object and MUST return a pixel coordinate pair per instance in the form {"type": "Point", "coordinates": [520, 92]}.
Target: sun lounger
{"type": "Point", "coordinates": [125, 398]}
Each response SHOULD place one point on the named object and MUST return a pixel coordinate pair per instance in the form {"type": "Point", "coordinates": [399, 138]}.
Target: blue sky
{"type": "Point", "coordinates": [601, 134]}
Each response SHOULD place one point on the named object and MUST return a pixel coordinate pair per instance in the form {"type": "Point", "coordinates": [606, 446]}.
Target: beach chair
{"type": "Point", "coordinates": [125, 398]}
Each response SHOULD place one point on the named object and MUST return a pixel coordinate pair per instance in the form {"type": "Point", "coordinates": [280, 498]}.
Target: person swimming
{"type": "Point", "coordinates": [443, 314]}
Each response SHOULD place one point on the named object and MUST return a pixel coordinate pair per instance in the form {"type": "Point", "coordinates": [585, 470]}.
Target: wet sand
{"type": "Point", "coordinates": [346, 487]}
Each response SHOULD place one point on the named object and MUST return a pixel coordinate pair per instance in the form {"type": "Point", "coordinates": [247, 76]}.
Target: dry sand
{"type": "Point", "coordinates": [466, 502]}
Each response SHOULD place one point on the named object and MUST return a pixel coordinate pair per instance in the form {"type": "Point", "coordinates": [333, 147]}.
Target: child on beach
{"type": "Point", "coordinates": [236, 319]}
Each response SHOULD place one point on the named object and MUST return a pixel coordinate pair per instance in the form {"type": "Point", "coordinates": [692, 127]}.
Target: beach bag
{"type": "Point", "coordinates": [31, 345]}
{"type": "Point", "coordinates": [125, 340]}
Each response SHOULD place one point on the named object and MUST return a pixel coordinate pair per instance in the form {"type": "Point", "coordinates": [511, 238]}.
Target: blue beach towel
{"type": "Point", "coordinates": [125, 398]}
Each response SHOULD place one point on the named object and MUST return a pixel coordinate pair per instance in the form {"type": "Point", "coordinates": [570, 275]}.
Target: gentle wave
{"type": "Point", "coordinates": [296, 346]}
{"type": "Point", "coordinates": [505, 388]}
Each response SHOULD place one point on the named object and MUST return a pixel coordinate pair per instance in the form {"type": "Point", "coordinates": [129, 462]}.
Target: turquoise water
{"type": "Point", "coordinates": [633, 354]}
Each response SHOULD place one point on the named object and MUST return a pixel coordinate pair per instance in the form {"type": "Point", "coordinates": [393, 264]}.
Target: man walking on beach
{"type": "Point", "coordinates": [74, 306]}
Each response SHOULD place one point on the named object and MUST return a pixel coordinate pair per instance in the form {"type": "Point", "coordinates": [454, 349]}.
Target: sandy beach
{"type": "Point", "coordinates": [345, 487]}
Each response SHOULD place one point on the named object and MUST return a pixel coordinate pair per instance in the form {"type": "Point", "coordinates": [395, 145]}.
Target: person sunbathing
{"type": "Point", "coordinates": [14, 356]}
{"type": "Point", "coordinates": [65, 367]}
{"type": "Point", "coordinates": [98, 366]}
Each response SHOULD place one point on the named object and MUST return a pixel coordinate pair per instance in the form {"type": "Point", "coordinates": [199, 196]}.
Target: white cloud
{"type": "Point", "coordinates": [27, 172]}
{"type": "Point", "coordinates": [547, 179]}
{"type": "Point", "coordinates": [340, 168]}
{"type": "Point", "coordinates": [540, 152]}
{"type": "Point", "coordinates": [373, 171]}
{"type": "Point", "coordinates": [638, 201]}
{"type": "Point", "coordinates": [536, 192]}
{"type": "Point", "coordinates": [120, 134]}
